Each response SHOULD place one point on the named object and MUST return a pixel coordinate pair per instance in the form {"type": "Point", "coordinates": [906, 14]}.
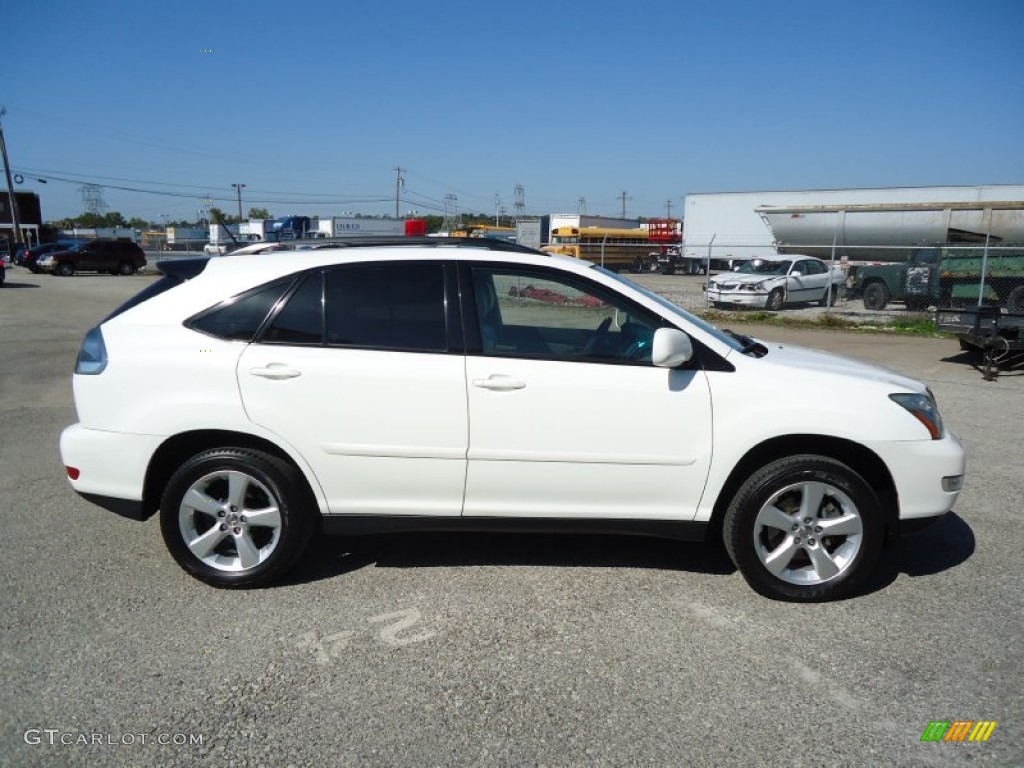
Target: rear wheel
{"type": "Point", "coordinates": [829, 299]}
{"type": "Point", "coordinates": [235, 517]}
{"type": "Point", "coordinates": [1015, 301]}
{"type": "Point", "coordinates": [65, 269]}
{"type": "Point", "coordinates": [804, 528]}
{"type": "Point", "coordinates": [876, 296]}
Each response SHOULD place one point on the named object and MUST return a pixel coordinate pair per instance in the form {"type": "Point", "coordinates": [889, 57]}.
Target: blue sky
{"type": "Point", "coordinates": [313, 104]}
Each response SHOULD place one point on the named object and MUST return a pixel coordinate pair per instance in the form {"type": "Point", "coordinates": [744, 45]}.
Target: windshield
{"type": "Point", "coordinates": [763, 267]}
{"type": "Point", "coordinates": [705, 326]}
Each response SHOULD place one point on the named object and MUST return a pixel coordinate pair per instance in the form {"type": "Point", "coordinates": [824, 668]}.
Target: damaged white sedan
{"type": "Point", "coordinates": [776, 281]}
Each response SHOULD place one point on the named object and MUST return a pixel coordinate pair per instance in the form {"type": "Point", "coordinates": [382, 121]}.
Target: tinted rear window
{"type": "Point", "coordinates": [398, 306]}
{"type": "Point", "coordinates": [239, 318]}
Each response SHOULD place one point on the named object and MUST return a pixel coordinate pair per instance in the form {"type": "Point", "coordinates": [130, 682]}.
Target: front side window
{"type": "Point", "coordinates": [395, 305]}
{"type": "Point", "coordinates": [533, 314]}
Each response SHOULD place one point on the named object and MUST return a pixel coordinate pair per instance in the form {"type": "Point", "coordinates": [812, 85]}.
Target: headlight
{"type": "Point", "coordinates": [924, 409]}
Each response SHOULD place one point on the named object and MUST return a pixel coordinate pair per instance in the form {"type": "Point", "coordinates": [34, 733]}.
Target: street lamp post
{"type": "Point", "coordinates": [238, 189]}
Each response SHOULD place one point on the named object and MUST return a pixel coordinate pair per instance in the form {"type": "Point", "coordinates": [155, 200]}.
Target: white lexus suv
{"type": "Point", "coordinates": [254, 400]}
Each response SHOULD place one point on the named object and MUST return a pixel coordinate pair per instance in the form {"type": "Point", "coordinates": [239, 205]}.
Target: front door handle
{"type": "Point", "coordinates": [275, 371]}
{"type": "Point", "coordinates": [499, 383]}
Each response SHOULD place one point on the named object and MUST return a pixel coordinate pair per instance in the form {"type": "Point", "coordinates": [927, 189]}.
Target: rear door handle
{"type": "Point", "coordinates": [275, 371]}
{"type": "Point", "coordinates": [500, 383]}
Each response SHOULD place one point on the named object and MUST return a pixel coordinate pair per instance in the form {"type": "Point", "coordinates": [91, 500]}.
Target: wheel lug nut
{"type": "Point", "coordinates": [237, 531]}
{"type": "Point", "coordinates": [796, 527]}
{"type": "Point", "coordinates": [811, 542]}
{"type": "Point", "coordinates": [223, 527]}
{"type": "Point", "coordinates": [221, 513]}
{"type": "Point", "coordinates": [234, 509]}
{"type": "Point", "coordinates": [797, 539]}
{"type": "Point", "coordinates": [818, 529]}
{"type": "Point", "coordinates": [243, 519]}
{"type": "Point", "coordinates": [807, 520]}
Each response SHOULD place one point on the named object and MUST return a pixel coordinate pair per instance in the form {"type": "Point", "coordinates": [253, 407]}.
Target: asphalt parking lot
{"type": "Point", "coordinates": [493, 650]}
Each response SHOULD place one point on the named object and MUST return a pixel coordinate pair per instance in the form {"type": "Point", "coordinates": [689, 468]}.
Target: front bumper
{"type": "Point", "coordinates": [743, 298]}
{"type": "Point", "coordinates": [918, 469]}
{"type": "Point", "coordinates": [111, 466]}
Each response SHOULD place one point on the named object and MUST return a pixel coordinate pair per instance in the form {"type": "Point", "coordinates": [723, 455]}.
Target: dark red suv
{"type": "Point", "coordinates": [118, 257]}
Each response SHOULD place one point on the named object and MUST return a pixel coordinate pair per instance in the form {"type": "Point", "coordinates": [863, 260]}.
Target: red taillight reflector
{"type": "Point", "coordinates": [73, 472]}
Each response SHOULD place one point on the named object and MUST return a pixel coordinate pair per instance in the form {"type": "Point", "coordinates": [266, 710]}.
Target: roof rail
{"type": "Point", "coordinates": [486, 243]}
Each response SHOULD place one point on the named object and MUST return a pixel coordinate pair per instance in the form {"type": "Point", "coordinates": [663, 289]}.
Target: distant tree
{"type": "Point", "coordinates": [137, 222]}
{"type": "Point", "coordinates": [259, 213]}
{"type": "Point", "coordinates": [217, 216]}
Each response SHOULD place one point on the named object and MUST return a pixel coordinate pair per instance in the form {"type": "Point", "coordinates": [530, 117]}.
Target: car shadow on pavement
{"type": "Point", "coordinates": [8, 284]}
{"type": "Point", "coordinates": [940, 547]}
{"type": "Point", "coordinates": [335, 556]}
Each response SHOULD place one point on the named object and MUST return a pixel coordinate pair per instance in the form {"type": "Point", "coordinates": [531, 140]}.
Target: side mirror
{"type": "Point", "coordinates": [795, 273]}
{"type": "Point", "coordinates": [670, 348]}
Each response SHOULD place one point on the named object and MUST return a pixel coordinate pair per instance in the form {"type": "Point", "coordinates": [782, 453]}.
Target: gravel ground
{"type": "Point", "coordinates": [493, 650]}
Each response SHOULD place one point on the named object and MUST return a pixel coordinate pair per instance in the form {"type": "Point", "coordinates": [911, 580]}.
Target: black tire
{"type": "Point", "coordinates": [760, 520]}
{"type": "Point", "coordinates": [829, 299]}
{"type": "Point", "coordinates": [1015, 301]}
{"type": "Point", "coordinates": [668, 269]}
{"type": "Point", "coordinates": [876, 296]}
{"type": "Point", "coordinates": [259, 482]}
{"type": "Point", "coordinates": [126, 268]}
{"type": "Point", "coordinates": [917, 305]}
{"type": "Point", "coordinates": [65, 269]}
{"type": "Point", "coordinates": [776, 300]}
{"type": "Point", "coordinates": [638, 265]}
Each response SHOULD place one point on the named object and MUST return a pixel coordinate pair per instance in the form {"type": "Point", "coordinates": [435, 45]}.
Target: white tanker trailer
{"type": "Point", "coordinates": [890, 231]}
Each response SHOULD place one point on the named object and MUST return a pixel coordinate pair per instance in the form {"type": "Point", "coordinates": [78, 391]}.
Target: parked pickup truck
{"type": "Point", "coordinates": [942, 277]}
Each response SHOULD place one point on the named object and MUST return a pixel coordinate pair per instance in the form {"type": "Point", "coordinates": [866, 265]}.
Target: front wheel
{"type": "Point", "coordinates": [65, 269]}
{"type": "Point", "coordinates": [804, 528]}
{"type": "Point", "coordinates": [235, 517]}
{"type": "Point", "coordinates": [776, 300]}
{"type": "Point", "coordinates": [126, 268]}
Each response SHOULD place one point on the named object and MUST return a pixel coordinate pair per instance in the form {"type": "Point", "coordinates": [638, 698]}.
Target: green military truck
{"type": "Point", "coordinates": [942, 277]}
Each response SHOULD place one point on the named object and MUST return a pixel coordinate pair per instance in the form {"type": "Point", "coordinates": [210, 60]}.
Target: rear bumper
{"type": "Point", "coordinates": [111, 466]}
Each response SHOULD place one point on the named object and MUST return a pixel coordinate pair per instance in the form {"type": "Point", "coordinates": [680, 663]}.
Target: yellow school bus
{"type": "Point", "coordinates": [614, 249]}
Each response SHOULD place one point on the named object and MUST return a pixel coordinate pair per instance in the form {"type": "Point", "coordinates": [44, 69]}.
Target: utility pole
{"type": "Point", "coordinates": [239, 188]}
{"type": "Point", "coordinates": [668, 209]}
{"type": "Point", "coordinates": [581, 206]}
{"type": "Point", "coordinates": [624, 197]}
{"type": "Point", "coordinates": [497, 205]}
{"type": "Point", "coordinates": [399, 183]}
{"type": "Point", "coordinates": [10, 184]}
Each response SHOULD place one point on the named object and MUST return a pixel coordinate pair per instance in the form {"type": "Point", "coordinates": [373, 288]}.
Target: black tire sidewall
{"type": "Point", "coordinates": [1015, 301]}
{"type": "Point", "coordinates": [876, 297]}
{"type": "Point", "coordinates": [280, 479]}
{"type": "Point", "coordinates": [738, 526]}
{"type": "Point", "coordinates": [771, 304]}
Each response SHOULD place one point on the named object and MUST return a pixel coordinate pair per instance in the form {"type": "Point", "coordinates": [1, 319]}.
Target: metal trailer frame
{"type": "Point", "coordinates": [997, 335]}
